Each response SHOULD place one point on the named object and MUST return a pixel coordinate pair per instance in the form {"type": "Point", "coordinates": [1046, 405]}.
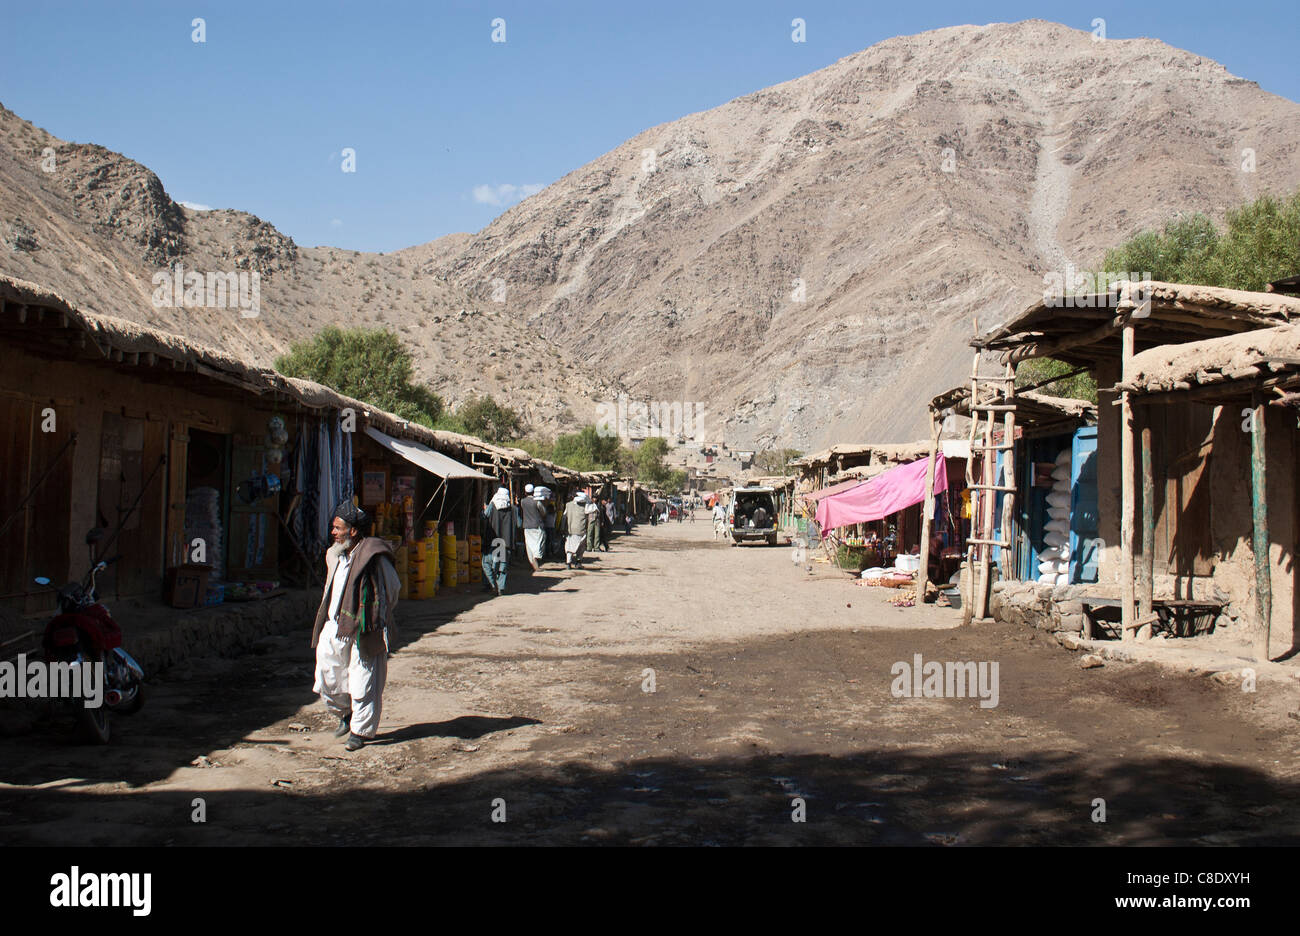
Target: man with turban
{"type": "Point", "coordinates": [498, 539]}
{"type": "Point", "coordinates": [575, 530]}
{"type": "Point", "coordinates": [354, 630]}
{"type": "Point", "coordinates": [532, 513]}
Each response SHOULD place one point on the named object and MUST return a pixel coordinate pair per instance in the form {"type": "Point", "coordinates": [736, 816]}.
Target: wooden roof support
{"type": "Point", "coordinates": [1259, 527]}
{"type": "Point", "coordinates": [923, 572]}
{"type": "Point", "coordinates": [1128, 494]}
{"type": "Point", "coordinates": [1147, 564]}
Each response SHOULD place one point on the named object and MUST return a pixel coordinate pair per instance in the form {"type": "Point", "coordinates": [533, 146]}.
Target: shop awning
{"type": "Point", "coordinates": [848, 485]}
{"type": "Point", "coordinates": [883, 495]}
{"type": "Point", "coordinates": [424, 457]}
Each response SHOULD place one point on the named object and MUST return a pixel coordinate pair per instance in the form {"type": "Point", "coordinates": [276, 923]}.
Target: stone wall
{"type": "Point", "coordinates": [1046, 607]}
{"type": "Point", "coordinates": [224, 630]}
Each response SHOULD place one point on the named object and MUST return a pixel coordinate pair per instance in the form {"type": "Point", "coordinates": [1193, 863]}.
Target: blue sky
{"type": "Point", "coordinates": [257, 116]}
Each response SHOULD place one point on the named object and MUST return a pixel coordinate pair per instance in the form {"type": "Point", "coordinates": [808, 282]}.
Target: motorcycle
{"type": "Point", "coordinates": [84, 632]}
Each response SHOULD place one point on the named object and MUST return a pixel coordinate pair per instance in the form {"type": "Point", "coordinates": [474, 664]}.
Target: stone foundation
{"type": "Point", "coordinates": [1045, 607]}
{"type": "Point", "coordinates": [224, 630]}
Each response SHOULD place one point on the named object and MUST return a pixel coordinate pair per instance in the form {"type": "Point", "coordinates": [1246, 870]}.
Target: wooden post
{"type": "Point", "coordinates": [987, 503]}
{"type": "Point", "coordinates": [972, 551]}
{"type": "Point", "coordinates": [1260, 539]}
{"type": "Point", "coordinates": [1146, 594]}
{"type": "Point", "coordinates": [922, 574]}
{"type": "Point", "coordinates": [1009, 473]}
{"type": "Point", "coordinates": [1128, 494]}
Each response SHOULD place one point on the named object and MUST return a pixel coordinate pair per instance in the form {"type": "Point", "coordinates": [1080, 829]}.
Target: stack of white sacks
{"type": "Point", "coordinates": [1054, 558]}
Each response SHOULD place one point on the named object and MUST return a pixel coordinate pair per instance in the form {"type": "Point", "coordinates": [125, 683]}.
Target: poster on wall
{"type": "Point", "coordinates": [374, 485]}
{"type": "Point", "coordinates": [403, 486]}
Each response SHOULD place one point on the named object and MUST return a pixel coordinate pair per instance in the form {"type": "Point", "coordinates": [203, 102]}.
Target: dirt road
{"type": "Point", "coordinates": [771, 701]}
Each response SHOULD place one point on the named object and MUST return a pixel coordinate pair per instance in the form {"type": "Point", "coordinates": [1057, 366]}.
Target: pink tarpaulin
{"type": "Point", "coordinates": [815, 496]}
{"type": "Point", "coordinates": [885, 494]}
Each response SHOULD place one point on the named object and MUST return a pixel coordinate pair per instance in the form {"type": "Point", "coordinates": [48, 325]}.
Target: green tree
{"type": "Point", "coordinates": [646, 464]}
{"type": "Point", "coordinates": [1036, 370]}
{"type": "Point", "coordinates": [776, 461]}
{"type": "Point", "coordinates": [370, 364]}
{"type": "Point", "coordinates": [586, 450]}
{"type": "Point", "coordinates": [1181, 253]}
{"type": "Point", "coordinates": [484, 417]}
{"type": "Point", "coordinates": [1260, 243]}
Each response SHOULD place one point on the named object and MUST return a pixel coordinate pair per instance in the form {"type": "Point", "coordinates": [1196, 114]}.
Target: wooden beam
{"type": "Point", "coordinates": [1050, 348]}
{"type": "Point", "coordinates": [1260, 537]}
{"type": "Point", "coordinates": [1009, 472]}
{"type": "Point", "coordinates": [1217, 392]}
{"type": "Point", "coordinates": [1127, 493]}
{"type": "Point", "coordinates": [923, 573]}
{"type": "Point", "coordinates": [1146, 596]}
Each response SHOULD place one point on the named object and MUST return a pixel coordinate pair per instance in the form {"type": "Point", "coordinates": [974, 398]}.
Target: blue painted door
{"type": "Point", "coordinates": [1084, 543]}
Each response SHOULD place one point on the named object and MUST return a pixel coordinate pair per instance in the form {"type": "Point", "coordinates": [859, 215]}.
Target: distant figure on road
{"type": "Point", "coordinates": [592, 510]}
{"type": "Point", "coordinates": [627, 523]}
{"type": "Point", "coordinates": [605, 516]}
{"type": "Point", "coordinates": [575, 530]}
{"type": "Point", "coordinates": [533, 516]}
{"type": "Point", "coordinates": [719, 519]}
{"type": "Point", "coordinates": [498, 539]}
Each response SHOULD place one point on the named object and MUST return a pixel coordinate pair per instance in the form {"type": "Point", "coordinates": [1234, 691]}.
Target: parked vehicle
{"type": "Point", "coordinates": [751, 515]}
{"type": "Point", "coordinates": [84, 631]}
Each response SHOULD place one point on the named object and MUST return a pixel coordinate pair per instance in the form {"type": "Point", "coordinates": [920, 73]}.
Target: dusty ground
{"type": "Point", "coordinates": [771, 683]}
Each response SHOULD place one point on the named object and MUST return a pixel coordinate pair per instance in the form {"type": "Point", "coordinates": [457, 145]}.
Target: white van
{"type": "Point", "coordinates": [751, 515]}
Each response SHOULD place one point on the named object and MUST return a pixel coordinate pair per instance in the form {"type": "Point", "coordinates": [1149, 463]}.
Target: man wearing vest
{"type": "Point", "coordinates": [354, 629]}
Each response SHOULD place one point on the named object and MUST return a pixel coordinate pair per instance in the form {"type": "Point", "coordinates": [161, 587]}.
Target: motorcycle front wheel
{"type": "Point", "coordinates": [92, 723]}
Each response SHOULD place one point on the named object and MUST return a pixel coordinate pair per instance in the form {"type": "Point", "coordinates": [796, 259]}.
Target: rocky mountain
{"type": "Point", "coordinates": [96, 227]}
{"type": "Point", "coordinates": [807, 260]}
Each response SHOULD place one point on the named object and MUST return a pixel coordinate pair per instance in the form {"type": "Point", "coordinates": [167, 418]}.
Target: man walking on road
{"type": "Point", "coordinates": [575, 530]}
{"type": "Point", "coordinates": [354, 629]}
{"type": "Point", "coordinates": [719, 519]}
{"type": "Point", "coordinates": [498, 539]}
{"type": "Point", "coordinates": [592, 510]}
{"type": "Point", "coordinates": [533, 516]}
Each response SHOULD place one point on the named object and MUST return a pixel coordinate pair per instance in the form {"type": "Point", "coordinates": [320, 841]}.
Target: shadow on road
{"type": "Point", "coordinates": [465, 727]}
{"type": "Point", "coordinates": [873, 797]}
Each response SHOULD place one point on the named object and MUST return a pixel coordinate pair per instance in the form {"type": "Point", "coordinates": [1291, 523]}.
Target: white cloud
{"type": "Point", "coordinates": [505, 193]}
{"type": "Point", "coordinates": [195, 206]}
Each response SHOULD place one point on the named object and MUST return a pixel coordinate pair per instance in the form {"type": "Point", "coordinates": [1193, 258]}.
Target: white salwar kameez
{"type": "Point", "coordinates": [348, 681]}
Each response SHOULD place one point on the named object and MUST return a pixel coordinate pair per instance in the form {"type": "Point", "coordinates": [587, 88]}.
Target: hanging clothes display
{"type": "Point", "coordinates": [327, 500]}
{"type": "Point", "coordinates": [345, 477]}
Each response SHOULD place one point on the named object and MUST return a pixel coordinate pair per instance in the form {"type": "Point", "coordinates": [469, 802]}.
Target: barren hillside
{"type": "Point", "coordinates": [683, 278]}
{"type": "Point", "coordinates": [99, 226]}
{"type": "Point", "coordinates": [804, 261]}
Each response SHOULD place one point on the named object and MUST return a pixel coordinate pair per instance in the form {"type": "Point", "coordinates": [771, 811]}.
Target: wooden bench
{"type": "Point", "coordinates": [1177, 617]}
